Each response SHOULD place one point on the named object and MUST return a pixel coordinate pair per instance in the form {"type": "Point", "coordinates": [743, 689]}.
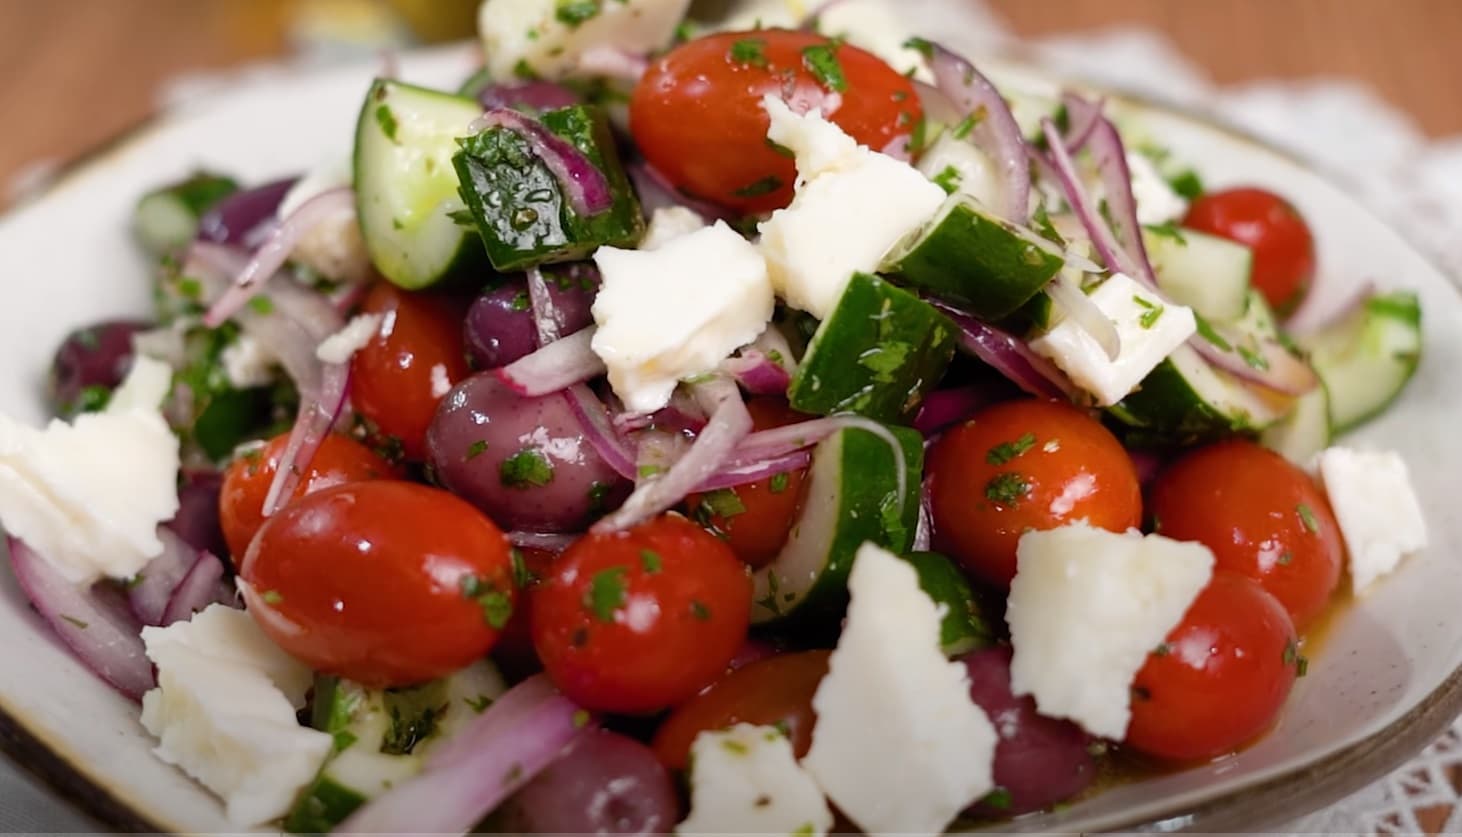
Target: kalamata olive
{"type": "Point", "coordinates": [197, 519]}
{"type": "Point", "coordinates": [523, 461]}
{"type": "Point", "coordinates": [499, 327]}
{"type": "Point", "coordinates": [90, 363]}
{"type": "Point", "coordinates": [233, 219]}
{"type": "Point", "coordinates": [1039, 761]}
{"type": "Point", "coordinates": [604, 783]}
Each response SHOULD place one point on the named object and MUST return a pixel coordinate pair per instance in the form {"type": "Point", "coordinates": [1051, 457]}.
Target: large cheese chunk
{"type": "Point", "coordinates": [669, 223]}
{"type": "Point", "coordinates": [877, 26]}
{"type": "Point", "coordinates": [852, 206]}
{"type": "Point", "coordinates": [1157, 203]}
{"type": "Point", "coordinates": [88, 496]}
{"type": "Point", "coordinates": [899, 746]}
{"type": "Point", "coordinates": [745, 780]}
{"type": "Point", "coordinates": [547, 38]}
{"type": "Point", "coordinates": [248, 363]}
{"type": "Point", "coordinates": [1149, 328]}
{"type": "Point", "coordinates": [224, 712]}
{"type": "Point", "coordinates": [1376, 507]}
{"type": "Point", "coordinates": [1085, 609]}
{"type": "Point", "coordinates": [677, 311]}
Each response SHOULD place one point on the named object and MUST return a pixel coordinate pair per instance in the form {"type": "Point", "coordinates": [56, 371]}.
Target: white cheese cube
{"type": "Point", "coordinates": [248, 363]}
{"type": "Point", "coordinates": [1085, 609]}
{"type": "Point", "coordinates": [88, 496]}
{"type": "Point", "coordinates": [669, 222]}
{"type": "Point", "coordinates": [1378, 512]}
{"type": "Point", "coordinates": [221, 713]}
{"type": "Point", "coordinates": [340, 346]}
{"type": "Point", "coordinates": [899, 746]}
{"type": "Point", "coordinates": [875, 25]}
{"type": "Point", "coordinates": [532, 35]}
{"type": "Point", "coordinates": [677, 311]}
{"type": "Point", "coordinates": [333, 246]}
{"type": "Point", "coordinates": [959, 164]}
{"type": "Point", "coordinates": [1157, 203]}
{"type": "Point", "coordinates": [745, 780]}
{"type": "Point", "coordinates": [852, 206]}
{"type": "Point", "coordinates": [1148, 328]}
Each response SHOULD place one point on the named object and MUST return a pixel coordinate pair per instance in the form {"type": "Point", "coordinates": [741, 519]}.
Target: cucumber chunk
{"type": "Point", "coordinates": [988, 266]}
{"type": "Point", "coordinates": [852, 497]}
{"type": "Point", "coordinates": [1304, 432]}
{"type": "Point", "coordinates": [1366, 359]}
{"type": "Point", "coordinates": [1185, 400]}
{"type": "Point", "coordinates": [1204, 272]}
{"type": "Point", "coordinates": [405, 187]}
{"type": "Point", "coordinates": [964, 628]}
{"type": "Point", "coordinates": [166, 219]}
{"type": "Point", "coordinates": [518, 204]}
{"type": "Point", "coordinates": [877, 354]}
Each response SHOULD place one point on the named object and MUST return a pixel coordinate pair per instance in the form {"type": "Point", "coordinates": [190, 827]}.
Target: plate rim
{"type": "Point", "coordinates": [1252, 808]}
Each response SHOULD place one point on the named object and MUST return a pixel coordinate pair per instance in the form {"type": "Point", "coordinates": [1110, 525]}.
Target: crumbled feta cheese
{"type": "Point", "coordinates": [88, 496]}
{"type": "Point", "coordinates": [874, 25]}
{"type": "Point", "coordinates": [1378, 512]}
{"type": "Point", "coordinates": [1086, 607]}
{"type": "Point", "coordinates": [340, 346]}
{"type": "Point", "coordinates": [248, 363]}
{"type": "Point", "coordinates": [224, 712]}
{"type": "Point", "coordinates": [958, 165]}
{"type": "Point", "coordinates": [745, 780]}
{"type": "Point", "coordinates": [1157, 203]}
{"type": "Point", "coordinates": [333, 248]}
{"type": "Point", "coordinates": [899, 745]}
{"type": "Point", "coordinates": [538, 37]}
{"type": "Point", "coordinates": [1148, 328]}
{"type": "Point", "coordinates": [166, 343]}
{"type": "Point", "coordinates": [765, 14]}
{"type": "Point", "coordinates": [677, 311]}
{"type": "Point", "coordinates": [670, 222]}
{"type": "Point", "coordinates": [852, 206]}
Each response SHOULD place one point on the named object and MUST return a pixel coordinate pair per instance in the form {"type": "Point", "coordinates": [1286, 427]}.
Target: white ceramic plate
{"type": "Point", "coordinates": [1378, 690]}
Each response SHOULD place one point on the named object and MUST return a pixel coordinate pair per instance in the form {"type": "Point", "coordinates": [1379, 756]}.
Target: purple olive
{"type": "Point", "coordinates": [499, 327]}
{"type": "Point", "coordinates": [528, 96]}
{"type": "Point", "coordinates": [197, 519]}
{"type": "Point", "coordinates": [604, 783]}
{"type": "Point", "coordinates": [90, 363]}
{"type": "Point", "coordinates": [1039, 761]}
{"type": "Point", "coordinates": [523, 461]}
{"type": "Point", "coordinates": [233, 219]}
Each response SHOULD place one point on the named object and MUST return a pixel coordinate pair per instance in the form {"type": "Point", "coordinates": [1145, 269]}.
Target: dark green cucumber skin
{"type": "Point", "coordinates": [519, 206]}
{"type": "Point", "coordinates": [964, 628]}
{"type": "Point", "coordinates": [977, 263]}
{"type": "Point", "coordinates": [1034, 315]}
{"type": "Point", "coordinates": [1404, 306]}
{"type": "Point", "coordinates": [847, 368]}
{"type": "Point", "coordinates": [1165, 411]}
{"type": "Point", "coordinates": [322, 806]}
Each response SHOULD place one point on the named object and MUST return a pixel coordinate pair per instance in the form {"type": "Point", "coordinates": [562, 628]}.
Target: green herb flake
{"type": "Point", "coordinates": [575, 12]}
{"type": "Point", "coordinates": [496, 607]}
{"type": "Point", "coordinates": [187, 286]}
{"type": "Point", "coordinates": [343, 740]}
{"type": "Point", "coordinates": [1007, 489]}
{"type": "Point", "coordinates": [387, 120]}
{"type": "Point", "coordinates": [1162, 650]}
{"type": "Point", "coordinates": [73, 620]}
{"type": "Point", "coordinates": [647, 471]}
{"type": "Point", "coordinates": [1188, 184]}
{"type": "Point", "coordinates": [1253, 359]}
{"type": "Point", "coordinates": [93, 399]}
{"type": "Point", "coordinates": [734, 747]}
{"type": "Point", "coordinates": [1152, 312]}
{"type": "Point", "coordinates": [963, 128]}
{"type": "Point", "coordinates": [920, 45]}
{"type": "Point", "coordinates": [778, 483]}
{"type": "Point", "coordinates": [1006, 451]}
{"type": "Point", "coordinates": [580, 718]}
{"type": "Point", "coordinates": [1307, 517]}
{"type": "Point", "coordinates": [475, 450]}
{"type": "Point", "coordinates": [806, 829]}
{"type": "Point", "coordinates": [1285, 558]}
{"type": "Point", "coordinates": [272, 597]}
{"type": "Point", "coordinates": [1207, 332]}
{"type": "Point", "coordinates": [522, 576]}
{"type": "Point", "coordinates": [262, 305]}
{"type": "Point", "coordinates": [780, 149]}
{"type": "Point", "coordinates": [886, 359]}
{"type": "Point", "coordinates": [1291, 655]}
{"type": "Point", "coordinates": [699, 610]}
{"type": "Point", "coordinates": [1301, 666]}
{"type": "Point", "coordinates": [748, 52]}
{"type": "Point", "coordinates": [1169, 230]}
{"type": "Point", "coordinates": [998, 798]}
{"type": "Point", "coordinates": [524, 70]}
{"type": "Point", "coordinates": [606, 593]}
{"type": "Point", "coordinates": [948, 179]}
{"type": "Point", "coordinates": [528, 468]}
{"type": "Point", "coordinates": [822, 61]}
{"type": "Point", "coordinates": [764, 186]}
{"type": "Point", "coordinates": [478, 704]}
{"type": "Point", "coordinates": [651, 560]}
{"type": "Point", "coordinates": [521, 302]}
{"type": "Point", "coordinates": [723, 502]}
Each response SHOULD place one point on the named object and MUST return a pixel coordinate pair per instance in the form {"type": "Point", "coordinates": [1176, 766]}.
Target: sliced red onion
{"type": "Point", "coordinates": [546, 541]}
{"type": "Point", "coordinates": [594, 419]}
{"type": "Point", "coordinates": [924, 529]}
{"type": "Point", "coordinates": [317, 414]}
{"type": "Point", "coordinates": [757, 373]}
{"type": "Point", "coordinates": [237, 219]}
{"type": "Point", "coordinates": [938, 107]}
{"type": "Point", "coordinates": [502, 749]}
{"type": "Point", "coordinates": [1102, 237]}
{"type": "Point", "coordinates": [201, 587]}
{"type": "Point", "coordinates": [530, 95]}
{"type": "Point", "coordinates": [673, 417]}
{"type": "Point", "coordinates": [1082, 116]}
{"type": "Point", "coordinates": [729, 424]}
{"type": "Point", "coordinates": [275, 251]}
{"type": "Point", "coordinates": [95, 622]}
{"type": "Point", "coordinates": [996, 131]}
{"type": "Point", "coordinates": [546, 319]}
{"type": "Point", "coordinates": [741, 474]}
{"type": "Point", "coordinates": [1010, 356]}
{"type": "Point", "coordinates": [1264, 363]}
{"type": "Point", "coordinates": [1318, 311]}
{"type": "Point", "coordinates": [613, 62]}
{"type": "Point", "coordinates": [944, 408]}
{"type": "Point", "coordinates": [584, 185]}
{"type": "Point", "coordinates": [149, 593]}
{"type": "Point", "coordinates": [557, 366]}
{"type": "Point", "coordinates": [1110, 157]}
{"type": "Point", "coordinates": [1071, 300]}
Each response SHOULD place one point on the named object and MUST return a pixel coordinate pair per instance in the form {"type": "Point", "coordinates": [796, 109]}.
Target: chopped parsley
{"type": "Point", "coordinates": [1168, 230]}
{"type": "Point", "coordinates": [756, 189]}
{"type": "Point", "coordinates": [1285, 558]}
{"type": "Point", "coordinates": [387, 121]}
{"type": "Point", "coordinates": [73, 620]}
{"type": "Point", "coordinates": [1151, 313]}
{"type": "Point", "coordinates": [1187, 183]}
{"type": "Point", "coordinates": [963, 128]}
{"type": "Point", "coordinates": [699, 610]}
{"type": "Point", "coordinates": [998, 798]}
{"type": "Point", "coordinates": [1006, 451]}
{"type": "Point", "coordinates": [479, 704]}
{"type": "Point", "coordinates": [748, 52]}
{"type": "Point", "coordinates": [645, 471]}
{"type": "Point", "coordinates": [475, 450]}
{"type": "Point", "coordinates": [1253, 359]}
{"type": "Point", "coordinates": [886, 359]}
{"type": "Point", "coordinates": [806, 829]}
{"type": "Point", "coordinates": [575, 12]}
{"type": "Point", "coordinates": [771, 601]}
{"type": "Point", "coordinates": [92, 399]}
{"type": "Point", "coordinates": [497, 608]}
{"type": "Point", "coordinates": [1207, 332]}
{"type": "Point", "coordinates": [920, 45]}
{"type": "Point", "coordinates": [948, 179]}
{"type": "Point", "coordinates": [522, 576]}
{"type": "Point", "coordinates": [580, 718]}
{"type": "Point", "coordinates": [606, 593]}
{"type": "Point", "coordinates": [781, 149]}
{"type": "Point", "coordinates": [528, 468]}
{"type": "Point", "coordinates": [272, 597]}
{"type": "Point", "coordinates": [598, 496]}
{"type": "Point", "coordinates": [733, 746]}
{"type": "Point", "coordinates": [778, 483]}
{"type": "Point", "coordinates": [651, 560]}
{"type": "Point", "coordinates": [822, 61]}
{"type": "Point", "coordinates": [187, 286]}
{"type": "Point", "coordinates": [723, 503]}
{"type": "Point", "coordinates": [1007, 489]}
{"type": "Point", "coordinates": [521, 302]}
{"type": "Point", "coordinates": [1162, 650]}
{"type": "Point", "coordinates": [1293, 657]}
{"type": "Point", "coordinates": [1307, 517]}
{"type": "Point", "coordinates": [524, 70]}
{"type": "Point", "coordinates": [262, 305]}
{"type": "Point", "coordinates": [409, 729]}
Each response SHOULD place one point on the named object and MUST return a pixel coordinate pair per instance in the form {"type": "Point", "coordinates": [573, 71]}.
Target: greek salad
{"type": "Point", "coordinates": [761, 426]}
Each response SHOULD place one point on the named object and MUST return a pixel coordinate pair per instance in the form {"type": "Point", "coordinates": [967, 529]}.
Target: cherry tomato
{"type": "Point", "coordinates": [339, 460]}
{"type": "Point", "coordinates": [1221, 677]}
{"type": "Point", "coordinates": [1284, 249]}
{"type": "Point", "coordinates": [383, 582]}
{"type": "Point", "coordinates": [755, 518]}
{"type": "Point", "coordinates": [418, 354]}
{"type": "Point", "coordinates": [1023, 465]}
{"type": "Point", "coordinates": [639, 620]}
{"type": "Point", "coordinates": [514, 650]}
{"type": "Point", "coordinates": [776, 690]}
{"type": "Point", "coordinates": [697, 112]}
{"type": "Point", "coordinates": [1262, 517]}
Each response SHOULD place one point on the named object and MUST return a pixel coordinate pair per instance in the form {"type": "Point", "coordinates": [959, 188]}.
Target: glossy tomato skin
{"type": "Point", "coordinates": [339, 460]}
{"type": "Point", "coordinates": [1262, 516]}
{"type": "Point", "coordinates": [639, 620]}
{"type": "Point", "coordinates": [1221, 677]}
{"type": "Point", "coordinates": [755, 518]}
{"type": "Point", "coordinates": [386, 583]}
{"type": "Point", "coordinates": [697, 112]}
{"type": "Point", "coordinates": [1284, 248]}
{"type": "Point", "coordinates": [1022, 465]}
{"type": "Point", "coordinates": [775, 691]}
{"type": "Point", "coordinates": [415, 358]}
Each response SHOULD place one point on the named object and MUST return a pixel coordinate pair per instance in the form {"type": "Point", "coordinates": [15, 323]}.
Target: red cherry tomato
{"type": "Point", "coordinates": [1262, 517]}
{"type": "Point", "coordinates": [1023, 465]}
{"type": "Point", "coordinates": [774, 691]}
{"type": "Point", "coordinates": [339, 460]}
{"type": "Point", "coordinates": [697, 112]}
{"type": "Point", "coordinates": [639, 620]}
{"type": "Point", "coordinates": [1284, 249]}
{"type": "Point", "coordinates": [386, 583]}
{"type": "Point", "coordinates": [1221, 677]}
{"type": "Point", "coordinates": [755, 518]}
{"type": "Point", "coordinates": [398, 378]}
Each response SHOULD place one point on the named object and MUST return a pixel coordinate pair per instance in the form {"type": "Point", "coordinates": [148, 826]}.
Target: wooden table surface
{"type": "Point", "coordinates": [73, 72]}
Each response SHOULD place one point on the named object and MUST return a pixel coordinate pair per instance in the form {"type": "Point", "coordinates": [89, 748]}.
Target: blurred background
{"type": "Point", "coordinates": [75, 72]}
